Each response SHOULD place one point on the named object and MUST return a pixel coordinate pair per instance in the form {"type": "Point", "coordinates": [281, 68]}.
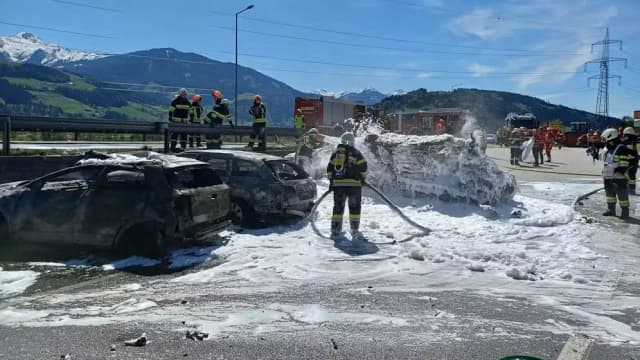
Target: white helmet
{"type": "Point", "coordinates": [629, 131]}
{"type": "Point", "coordinates": [226, 101]}
{"type": "Point", "coordinates": [610, 134]}
{"type": "Point", "coordinates": [348, 139]}
{"type": "Point", "coordinates": [182, 91]}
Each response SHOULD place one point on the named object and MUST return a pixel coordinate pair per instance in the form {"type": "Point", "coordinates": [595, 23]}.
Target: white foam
{"type": "Point", "coordinates": [16, 282]}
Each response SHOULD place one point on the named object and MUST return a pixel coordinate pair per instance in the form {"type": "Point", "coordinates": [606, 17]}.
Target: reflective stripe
{"type": "Point", "coordinates": [172, 109]}
{"type": "Point", "coordinates": [346, 182]}
{"type": "Point", "coordinates": [611, 199]}
{"type": "Point", "coordinates": [354, 216]}
{"type": "Point", "coordinates": [336, 217]}
{"type": "Point", "coordinates": [182, 107]}
{"type": "Point", "coordinates": [632, 181]}
{"type": "Point", "coordinates": [624, 203]}
{"type": "Point", "coordinates": [259, 121]}
{"type": "Point", "coordinates": [360, 162]}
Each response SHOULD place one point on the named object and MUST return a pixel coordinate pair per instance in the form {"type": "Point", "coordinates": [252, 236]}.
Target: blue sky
{"type": "Point", "coordinates": [535, 47]}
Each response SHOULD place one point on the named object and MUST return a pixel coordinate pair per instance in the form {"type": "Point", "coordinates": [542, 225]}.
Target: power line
{"type": "Point", "coordinates": [87, 6]}
{"type": "Point", "coordinates": [56, 30]}
{"type": "Point", "coordinates": [366, 46]}
{"type": "Point", "coordinates": [369, 36]}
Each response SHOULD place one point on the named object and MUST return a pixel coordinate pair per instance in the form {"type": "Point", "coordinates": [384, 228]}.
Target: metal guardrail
{"type": "Point", "coordinates": [10, 123]}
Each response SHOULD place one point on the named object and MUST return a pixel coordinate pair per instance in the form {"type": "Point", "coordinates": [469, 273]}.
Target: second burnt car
{"type": "Point", "coordinates": [142, 204]}
{"type": "Point", "coordinates": [264, 188]}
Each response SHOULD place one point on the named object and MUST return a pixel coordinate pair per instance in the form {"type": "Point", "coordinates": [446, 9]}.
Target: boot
{"type": "Point", "coordinates": [355, 232]}
{"type": "Point", "coordinates": [625, 213]}
{"type": "Point", "coordinates": [611, 211]}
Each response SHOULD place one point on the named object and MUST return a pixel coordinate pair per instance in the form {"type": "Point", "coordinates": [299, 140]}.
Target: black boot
{"type": "Point", "coordinates": [625, 213]}
{"type": "Point", "coordinates": [611, 211]}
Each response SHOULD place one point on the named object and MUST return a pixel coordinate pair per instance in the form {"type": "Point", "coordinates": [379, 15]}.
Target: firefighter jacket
{"type": "Point", "coordinates": [515, 140]}
{"type": "Point", "coordinates": [259, 113]}
{"type": "Point", "coordinates": [347, 167]}
{"type": "Point", "coordinates": [219, 113]}
{"type": "Point", "coordinates": [616, 161]}
{"type": "Point", "coordinates": [298, 121]}
{"type": "Point", "coordinates": [539, 138]}
{"type": "Point", "coordinates": [179, 109]}
{"type": "Point", "coordinates": [195, 112]}
{"type": "Point", "coordinates": [631, 142]}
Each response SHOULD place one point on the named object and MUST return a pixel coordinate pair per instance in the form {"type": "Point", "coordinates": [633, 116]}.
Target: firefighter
{"type": "Point", "coordinates": [616, 162]}
{"type": "Point", "coordinates": [179, 113]}
{"type": "Point", "coordinates": [538, 146]}
{"type": "Point", "coordinates": [216, 117]}
{"type": "Point", "coordinates": [311, 141]}
{"type": "Point", "coordinates": [548, 143]}
{"type": "Point", "coordinates": [594, 141]}
{"type": "Point", "coordinates": [514, 142]}
{"type": "Point", "coordinates": [630, 139]}
{"type": "Point", "coordinates": [298, 120]}
{"type": "Point", "coordinates": [346, 171]}
{"type": "Point", "coordinates": [259, 113]}
{"type": "Point", "coordinates": [195, 116]}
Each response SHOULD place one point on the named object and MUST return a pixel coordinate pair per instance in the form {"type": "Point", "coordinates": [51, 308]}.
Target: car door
{"type": "Point", "coordinates": [200, 195]}
{"type": "Point", "coordinates": [49, 211]}
{"type": "Point", "coordinates": [117, 199]}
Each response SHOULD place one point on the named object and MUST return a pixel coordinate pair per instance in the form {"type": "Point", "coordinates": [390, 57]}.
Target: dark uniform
{"type": "Point", "coordinates": [631, 142]}
{"type": "Point", "coordinates": [259, 113]}
{"type": "Point", "coordinates": [179, 113]}
{"type": "Point", "coordinates": [216, 117]}
{"type": "Point", "coordinates": [516, 152]}
{"type": "Point", "coordinates": [347, 171]}
{"type": "Point", "coordinates": [195, 117]}
{"type": "Point", "coordinates": [616, 162]}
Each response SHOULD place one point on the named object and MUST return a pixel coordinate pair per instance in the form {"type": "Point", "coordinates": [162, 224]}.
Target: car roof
{"type": "Point", "coordinates": [244, 155]}
{"type": "Point", "coordinates": [140, 158]}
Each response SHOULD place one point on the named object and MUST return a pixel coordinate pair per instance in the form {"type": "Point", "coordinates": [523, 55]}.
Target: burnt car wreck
{"type": "Point", "coordinates": [137, 204]}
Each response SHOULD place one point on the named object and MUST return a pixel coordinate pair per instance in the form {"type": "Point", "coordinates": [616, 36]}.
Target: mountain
{"type": "Point", "coordinates": [39, 90]}
{"type": "Point", "coordinates": [166, 70]}
{"type": "Point", "coordinates": [487, 106]}
{"type": "Point", "coordinates": [26, 47]}
{"type": "Point", "coordinates": [368, 96]}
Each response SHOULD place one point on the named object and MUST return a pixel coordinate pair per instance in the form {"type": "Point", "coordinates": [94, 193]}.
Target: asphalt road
{"type": "Point", "coordinates": [451, 325]}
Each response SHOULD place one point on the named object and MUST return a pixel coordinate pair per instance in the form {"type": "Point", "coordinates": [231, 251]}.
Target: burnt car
{"type": "Point", "coordinates": [139, 205]}
{"type": "Point", "coordinates": [264, 188]}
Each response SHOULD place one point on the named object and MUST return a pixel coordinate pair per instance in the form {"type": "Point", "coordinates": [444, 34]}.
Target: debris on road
{"type": "Point", "coordinates": [335, 345]}
{"type": "Point", "coordinates": [141, 341]}
{"type": "Point", "coordinates": [113, 347]}
{"type": "Point", "coordinates": [196, 335]}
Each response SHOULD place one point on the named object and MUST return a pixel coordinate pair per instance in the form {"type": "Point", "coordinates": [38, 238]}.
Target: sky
{"type": "Point", "coordinates": [535, 47]}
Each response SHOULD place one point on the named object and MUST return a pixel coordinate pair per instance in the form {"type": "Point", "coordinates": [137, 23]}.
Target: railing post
{"type": "Point", "coordinates": [163, 129]}
{"type": "Point", "coordinates": [6, 135]}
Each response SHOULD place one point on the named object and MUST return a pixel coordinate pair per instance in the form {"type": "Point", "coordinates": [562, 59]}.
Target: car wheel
{"type": "Point", "coordinates": [241, 214]}
{"type": "Point", "coordinates": [142, 240]}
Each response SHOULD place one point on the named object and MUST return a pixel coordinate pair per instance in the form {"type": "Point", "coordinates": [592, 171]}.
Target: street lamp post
{"type": "Point", "coordinates": [235, 102]}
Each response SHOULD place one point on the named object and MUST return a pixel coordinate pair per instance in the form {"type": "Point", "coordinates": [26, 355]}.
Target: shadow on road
{"type": "Point", "coordinates": [356, 248]}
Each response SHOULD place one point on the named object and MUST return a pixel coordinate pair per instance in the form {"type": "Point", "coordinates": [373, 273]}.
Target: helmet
{"type": "Point", "coordinates": [313, 131]}
{"type": "Point", "coordinates": [257, 97]}
{"type": "Point", "coordinates": [348, 139]}
{"type": "Point", "coordinates": [610, 134]}
{"type": "Point", "coordinates": [299, 110]}
{"type": "Point", "coordinates": [217, 94]}
{"type": "Point", "coordinates": [549, 129]}
{"type": "Point", "coordinates": [182, 91]}
{"type": "Point", "coordinates": [226, 101]}
{"type": "Point", "coordinates": [196, 98]}
{"type": "Point", "coordinates": [629, 131]}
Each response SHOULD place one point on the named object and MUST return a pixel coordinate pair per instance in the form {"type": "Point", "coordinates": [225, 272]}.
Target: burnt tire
{"type": "Point", "coordinates": [241, 214]}
{"type": "Point", "coordinates": [142, 240]}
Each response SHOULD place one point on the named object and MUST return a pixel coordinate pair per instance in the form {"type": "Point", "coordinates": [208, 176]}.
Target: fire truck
{"type": "Point", "coordinates": [325, 112]}
{"type": "Point", "coordinates": [428, 122]}
{"type": "Point", "coordinates": [524, 124]}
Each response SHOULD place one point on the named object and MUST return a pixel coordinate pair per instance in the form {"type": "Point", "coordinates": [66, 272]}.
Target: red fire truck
{"type": "Point", "coordinates": [428, 122]}
{"type": "Point", "coordinates": [325, 112]}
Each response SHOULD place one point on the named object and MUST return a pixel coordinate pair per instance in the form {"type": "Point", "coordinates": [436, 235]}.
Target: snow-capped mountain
{"type": "Point", "coordinates": [26, 47]}
{"type": "Point", "coordinates": [368, 96]}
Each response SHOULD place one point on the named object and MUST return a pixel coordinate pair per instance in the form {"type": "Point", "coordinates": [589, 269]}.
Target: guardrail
{"type": "Point", "coordinates": [11, 123]}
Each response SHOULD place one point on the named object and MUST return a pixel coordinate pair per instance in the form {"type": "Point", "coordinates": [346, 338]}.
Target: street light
{"type": "Point", "coordinates": [235, 102]}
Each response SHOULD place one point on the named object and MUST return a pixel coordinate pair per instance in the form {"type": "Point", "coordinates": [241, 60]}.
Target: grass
{"type": "Point", "coordinates": [31, 84]}
{"type": "Point", "coordinates": [139, 111]}
{"type": "Point", "coordinates": [69, 106]}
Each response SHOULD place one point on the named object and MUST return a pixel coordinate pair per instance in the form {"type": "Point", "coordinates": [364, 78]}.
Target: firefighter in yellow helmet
{"type": "Point", "coordinates": [347, 171]}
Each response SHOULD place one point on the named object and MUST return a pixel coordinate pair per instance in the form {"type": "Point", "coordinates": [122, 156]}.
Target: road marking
{"type": "Point", "coordinates": [577, 348]}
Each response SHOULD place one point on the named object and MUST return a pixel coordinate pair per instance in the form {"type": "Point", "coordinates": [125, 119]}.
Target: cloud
{"type": "Point", "coordinates": [425, 75]}
{"type": "Point", "coordinates": [479, 22]}
{"type": "Point", "coordinates": [480, 70]}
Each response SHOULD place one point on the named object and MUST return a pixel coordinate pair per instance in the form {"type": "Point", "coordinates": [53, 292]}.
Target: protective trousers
{"type": "Point", "coordinates": [537, 155]}
{"type": "Point", "coordinates": [516, 153]}
{"type": "Point", "coordinates": [631, 173]}
{"type": "Point", "coordinates": [175, 137]}
{"type": "Point", "coordinates": [215, 142]}
{"type": "Point", "coordinates": [258, 130]}
{"type": "Point", "coordinates": [353, 196]}
{"type": "Point", "coordinates": [616, 188]}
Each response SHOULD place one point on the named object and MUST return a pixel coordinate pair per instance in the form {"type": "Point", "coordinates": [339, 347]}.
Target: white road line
{"type": "Point", "coordinates": [577, 347]}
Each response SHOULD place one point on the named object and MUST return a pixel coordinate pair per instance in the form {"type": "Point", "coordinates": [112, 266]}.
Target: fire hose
{"type": "Point", "coordinates": [394, 207]}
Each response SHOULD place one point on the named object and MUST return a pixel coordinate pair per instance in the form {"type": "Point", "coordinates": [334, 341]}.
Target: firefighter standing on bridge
{"type": "Point", "coordinates": [616, 162]}
{"type": "Point", "coordinates": [630, 139]}
{"type": "Point", "coordinates": [259, 113]}
{"type": "Point", "coordinates": [216, 117]}
{"type": "Point", "coordinates": [195, 117]}
{"type": "Point", "coordinates": [347, 171]}
{"type": "Point", "coordinates": [179, 113]}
